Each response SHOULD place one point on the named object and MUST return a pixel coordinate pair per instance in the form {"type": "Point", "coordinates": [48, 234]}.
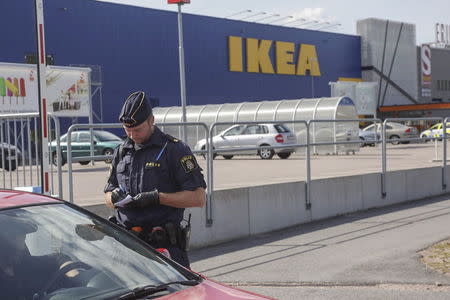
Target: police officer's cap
{"type": "Point", "coordinates": [135, 110]}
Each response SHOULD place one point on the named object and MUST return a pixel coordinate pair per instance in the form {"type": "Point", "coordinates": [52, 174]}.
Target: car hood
{"type": "Point", "coordinates": [209, 289]}
{"type": "Point", "coordinates": [13, 198]}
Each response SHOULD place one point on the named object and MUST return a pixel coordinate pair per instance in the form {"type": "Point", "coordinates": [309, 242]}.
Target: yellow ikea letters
{"type": "Point", "coordinates": [307, 60]}
{"type": "Point", "coordinates": [235, 53]}
{"type": "Point", "coordinates": [285, 58]}
{"type": "Point", "coordinates": [258, 58]}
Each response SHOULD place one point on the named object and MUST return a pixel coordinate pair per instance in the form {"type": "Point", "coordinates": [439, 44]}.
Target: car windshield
{"type": "Point", "coordinates": [56, 252]}
{"type": "Point", "coordinates": [105, 136]}
{"type": "Point", "coordinates": [372, 128]}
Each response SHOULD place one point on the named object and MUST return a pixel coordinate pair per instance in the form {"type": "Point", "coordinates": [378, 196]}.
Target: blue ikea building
{"type": "Point", "coordinates": [137, 49]}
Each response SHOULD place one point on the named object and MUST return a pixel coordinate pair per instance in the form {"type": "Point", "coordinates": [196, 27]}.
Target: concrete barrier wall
{"type": "Point", "coordinates": [276, 206]}
{"type": "Point", "coordinates": [336, 196]}
{"type": "Point", "coordinates": [241, 212]}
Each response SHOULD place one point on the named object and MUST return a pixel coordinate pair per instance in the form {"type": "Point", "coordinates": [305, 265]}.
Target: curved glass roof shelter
{"type": "Point", "coordinates": [284, 110]}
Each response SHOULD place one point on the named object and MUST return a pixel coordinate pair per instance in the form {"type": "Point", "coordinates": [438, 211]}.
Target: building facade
{"type": "Point", "coordinates": [134, 48]}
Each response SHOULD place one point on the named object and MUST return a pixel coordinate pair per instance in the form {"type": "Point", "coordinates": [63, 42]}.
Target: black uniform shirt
{"type": "Point", "coordinates": [163, 163]}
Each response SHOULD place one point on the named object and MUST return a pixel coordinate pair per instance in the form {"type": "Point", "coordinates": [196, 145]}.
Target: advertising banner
{"type": "Point", "coordinates": [68, 90]}
{"type": "Point", "coordinates": [363, 94]}
{"type": "Point", "coordinates": [366, 98]}
{"type": "Point", "coordinates": [178, 1]}
{"type": "Point", "coordinates": [425, 62]}
{"type": "Point", "coordinates": [343, 89]}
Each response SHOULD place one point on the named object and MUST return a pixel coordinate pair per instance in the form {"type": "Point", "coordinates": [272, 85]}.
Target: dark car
{"type": "Point", "coordinates": [10, 156]}
{"type": "Point", "coordinates": [104, 144]}
{"type": "Point", "coordinates": [52, 250]}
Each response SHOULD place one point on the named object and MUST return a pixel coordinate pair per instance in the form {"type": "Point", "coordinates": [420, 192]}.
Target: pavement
{"type": "Point", "coordinates": [365, 255]}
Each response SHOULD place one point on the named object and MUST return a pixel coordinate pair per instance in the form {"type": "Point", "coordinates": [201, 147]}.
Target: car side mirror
{"type": "Point", "coordinates": [95, 142]}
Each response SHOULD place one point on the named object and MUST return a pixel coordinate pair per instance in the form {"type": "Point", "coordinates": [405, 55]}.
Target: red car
{"type": "Point", "coordinates": [51, 249]}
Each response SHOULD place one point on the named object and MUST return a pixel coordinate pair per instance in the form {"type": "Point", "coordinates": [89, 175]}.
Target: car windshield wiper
{"type": "Point", "coordinates": [151, 289]}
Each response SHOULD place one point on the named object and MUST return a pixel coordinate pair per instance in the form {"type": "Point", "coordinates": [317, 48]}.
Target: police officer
{"type": "Point", "coordinates": [153, 178]}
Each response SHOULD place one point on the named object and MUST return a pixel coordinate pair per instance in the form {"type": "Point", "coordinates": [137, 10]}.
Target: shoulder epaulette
{"type": "Point", "coordinates": [171, 138]}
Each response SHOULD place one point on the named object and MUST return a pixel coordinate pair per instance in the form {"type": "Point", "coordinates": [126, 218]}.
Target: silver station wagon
{"type": "Point", "coordinates": [252, 135]}
{"type": "Point", "coordinates": [395, 131]}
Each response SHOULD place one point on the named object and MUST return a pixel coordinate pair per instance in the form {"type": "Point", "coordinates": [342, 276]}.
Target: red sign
{"type": "Point", "coordinates": [178, 1]}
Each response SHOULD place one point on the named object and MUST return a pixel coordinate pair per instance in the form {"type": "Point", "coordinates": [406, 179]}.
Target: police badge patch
{"type": "Point", "coordinates": [189, 163]}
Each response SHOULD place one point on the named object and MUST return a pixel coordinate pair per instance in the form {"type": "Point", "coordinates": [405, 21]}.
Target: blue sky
{"type": "Point", "coordinates": [424, 14]}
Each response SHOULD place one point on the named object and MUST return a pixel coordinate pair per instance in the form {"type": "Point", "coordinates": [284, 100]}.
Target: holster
{"type": "Point", "coordinates": [171, 231]}
{"type": "Point", "coordinates": [113, 219]}
{"type": "Point", "coordinates": [157, 237]}
{"type": "Point", "coordinates": [162, 236]}
{"type": "Point", "coordinates": [169, 235]}
{"type": "Point", "coordinates": [184, 237]}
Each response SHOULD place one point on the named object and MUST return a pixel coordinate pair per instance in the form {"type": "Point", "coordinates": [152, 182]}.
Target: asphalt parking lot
{"type": "Point", "coordinates": [252, 171]}
{"type": "Point", "coordinates": [241, 171]}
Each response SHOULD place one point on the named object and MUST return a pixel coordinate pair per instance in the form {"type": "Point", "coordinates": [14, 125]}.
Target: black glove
{"type": "Point", "coordinates": [145, 199]}
{"type": "Point", "coordinates": [117, 194]}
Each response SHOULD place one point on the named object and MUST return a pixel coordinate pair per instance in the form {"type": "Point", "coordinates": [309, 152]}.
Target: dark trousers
{"type": "Point", "coordinates": [180, 256]}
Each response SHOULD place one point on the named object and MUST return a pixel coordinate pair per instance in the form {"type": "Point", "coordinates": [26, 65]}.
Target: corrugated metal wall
{"type": "Point", "coordinates": [396, 44]}
{"type": "Point", "coordinates": [137, 49]}
{"type": "Point", "coordinates": [440, 74]}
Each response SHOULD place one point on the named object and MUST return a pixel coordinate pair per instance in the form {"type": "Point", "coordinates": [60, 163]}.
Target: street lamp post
{"type": "Point", "coordinates": [307, 22]}
{"type": "Point", "coordinates": [251, 16]}
{"type": "Point", "coordinates": [266, 17]}
{"type": "Point", "coordinates": [181, 60]}
{"type": "Point", "coordinates": [328, 26]}
{"type": "Point", "coordinates": [42, 94]}
{"type": "Point", "coordinates": [321, 23]}
{"type": "Point", "coordinates": [317, 24]}
{"type": "Point", "coordinates": [279, 19]}
{"type": "Point", "coordinates": [239, 13]}
{"type": "Point", "coordinates": [294, 21]}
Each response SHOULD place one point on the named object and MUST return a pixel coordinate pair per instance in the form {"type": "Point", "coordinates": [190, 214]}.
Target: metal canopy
{"type": "Point", "coordinates": [284, 110]}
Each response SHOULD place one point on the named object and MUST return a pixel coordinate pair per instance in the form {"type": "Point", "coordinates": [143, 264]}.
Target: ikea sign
{"type": "Point", "coordinates": [258, 58]}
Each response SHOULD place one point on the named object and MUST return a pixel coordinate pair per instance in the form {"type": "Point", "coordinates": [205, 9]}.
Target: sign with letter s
{"type": "Point", "coordinates": [178, 1]}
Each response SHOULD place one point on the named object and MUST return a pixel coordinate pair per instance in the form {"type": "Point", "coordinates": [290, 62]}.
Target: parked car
{"type": "Point", "coordinates": [104, 144]}
{"type": "Point", "coordinates": [252, 135]}
{"type": "Point", "coordinates": [57, 250]}
{"type": "Point", "coordinates": [395, 131]}
{"type": "Point", "coordinates": [8, 155]}
{"type": "Point", "coordinates": [435, 131]}
{"type": "Point", "coordinates": [368, 137]}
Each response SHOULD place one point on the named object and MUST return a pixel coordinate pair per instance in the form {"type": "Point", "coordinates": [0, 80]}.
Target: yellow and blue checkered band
{"type": "Point", "coordinates": [135, 110]}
